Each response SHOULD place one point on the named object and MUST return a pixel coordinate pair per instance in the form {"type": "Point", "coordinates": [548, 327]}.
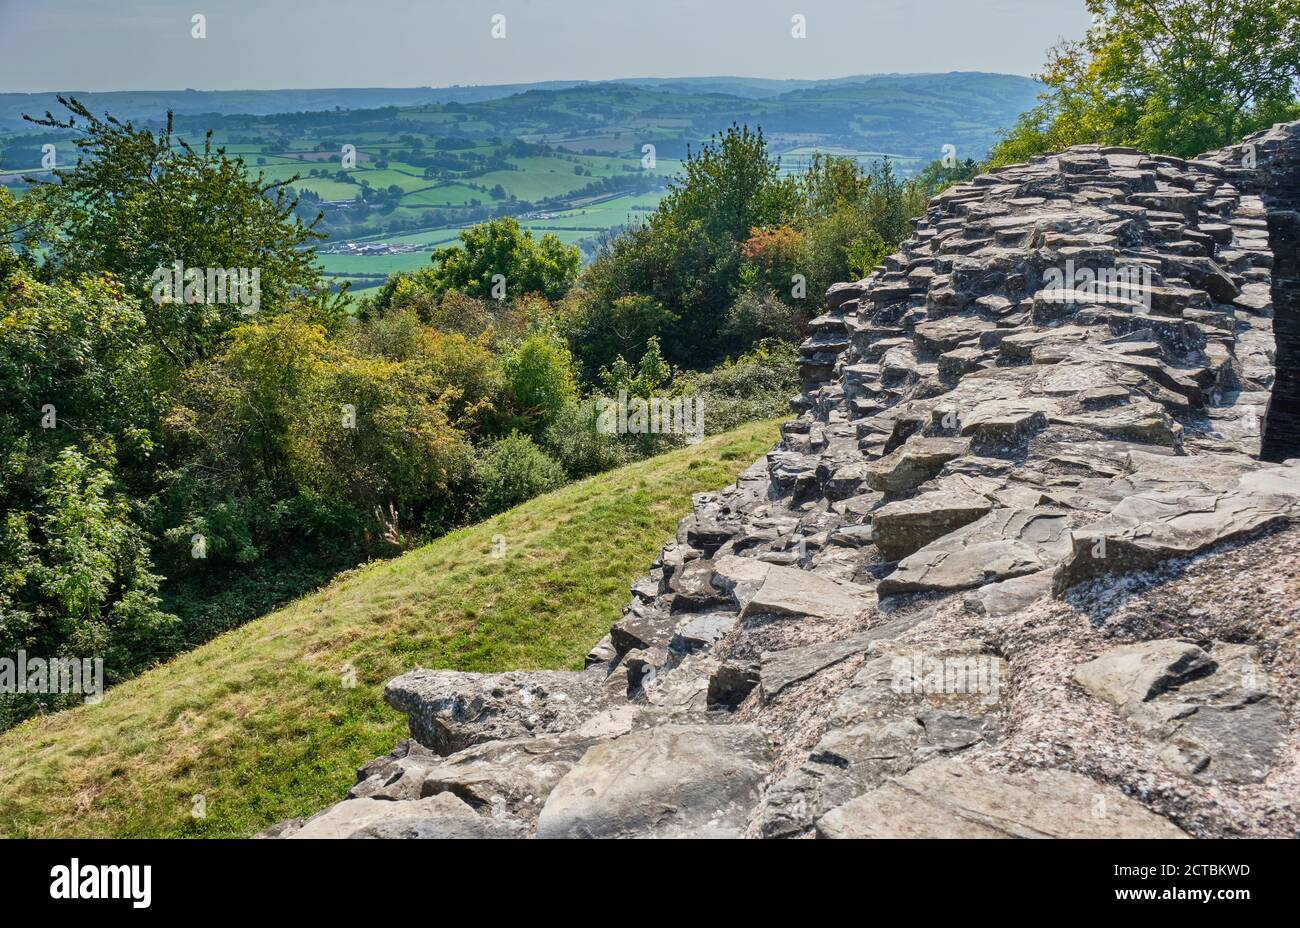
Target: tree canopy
{"type": "Point", "coordinates": [499, 259]}
{"type": "Point", "coordinates": [139, 200]}
{"type": "Point", "coordinates": [1179, 77]}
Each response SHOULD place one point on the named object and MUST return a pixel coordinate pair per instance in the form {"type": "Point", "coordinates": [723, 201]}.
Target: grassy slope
{"type": "Point", "coordinates": [259, 720]}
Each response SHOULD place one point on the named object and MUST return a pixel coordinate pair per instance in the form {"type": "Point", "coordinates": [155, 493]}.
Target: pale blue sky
{"type": "Point", "coordinates": [146, 44]}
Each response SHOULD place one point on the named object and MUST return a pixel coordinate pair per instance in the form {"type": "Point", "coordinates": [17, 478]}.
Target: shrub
{"type": "Point", "coordinates": [417, 292]}
{"type": "Point", "coordinates": [77, 581]}
{"type": "Point", "coordinates": [573, 440]}
{"type": "Point", "coordinates": [759, 314]}
{"type": "Point", "coordinates": [513, 471]}
{"type": "Point", "coordinates": [463, 370]}
{"type": "Point", "coordinates": [600, 332]}
{"type": "Point", "coordinates": [757, 385]}
{"type": "Point", "coordinates": [540, 377]}
{"type": "Point", "coordinates": [284, 414]}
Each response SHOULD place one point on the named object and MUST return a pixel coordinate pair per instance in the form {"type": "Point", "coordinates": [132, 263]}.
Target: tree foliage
{"type": "Point", "coordinates": [540, 377]}
{"type": "Point", "coordinates": [138, 200]}
{"type": "Point", "coordinates": [686, 258]}
{"type": "Point", "coordinates": [76, 578]}
{"type": "Point", "coordinates": [1174, 76]}
{"type": "Point", "coordinates": [513, 470]}
{"type": "Point", "coordinates": [499, 259]}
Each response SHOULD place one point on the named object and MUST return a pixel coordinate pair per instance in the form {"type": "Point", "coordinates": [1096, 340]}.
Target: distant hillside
{"type": "Point", "coordinates": [912, 115]}
{"type": "Point", "coordinates": [151, 104]}
{"type": "Point", "coordinates": [993, 96]}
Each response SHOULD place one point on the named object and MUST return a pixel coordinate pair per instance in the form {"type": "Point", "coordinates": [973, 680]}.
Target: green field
{"type": "Point", "coordinates": [443, 195]}
{"type": "Point", "coordinates": [571, 226]}
{"type": "Point", "coordinates": [260, 721]}
{"type": "Point", "coordinates": [359, 265]}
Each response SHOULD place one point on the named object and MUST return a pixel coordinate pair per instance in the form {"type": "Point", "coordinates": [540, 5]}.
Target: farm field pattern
{"type": "Point", "coordinates": [567, 159]}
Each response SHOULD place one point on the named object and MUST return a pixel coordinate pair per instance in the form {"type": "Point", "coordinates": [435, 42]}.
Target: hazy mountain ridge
{"type": "Point", "coordinates": [150, 104]}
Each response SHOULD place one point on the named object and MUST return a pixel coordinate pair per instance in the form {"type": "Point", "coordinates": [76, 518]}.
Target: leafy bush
{"type": "Point", "coordinates": [539, 375]}
{"type": "Point", "coordinates": [463, 370]}
{"type": "Point", "coordinates": [757, 385]}
{"type": "Point", "coordinates": [284, 413]}
{"type": "Point", "coordinates": [512, 471]}
{"type": "Point", "coordinates": [80, 400]}
{"type": "Point", "coordinates": [758, 314]}
{"type": "Point", "coordinates": [76, 580]}
{"type": "Point", "coordinates": [598, 332]}
{"type": "Point", "coordinates": [644, 379]}
{"type": "Point", "coordinates": [417, 292]}
{"type": "Point", "coordinates": [574, 440]}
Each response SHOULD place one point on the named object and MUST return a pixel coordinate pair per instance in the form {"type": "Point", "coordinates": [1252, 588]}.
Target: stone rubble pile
{"type": "Point", "coordinates": [1060, 381]}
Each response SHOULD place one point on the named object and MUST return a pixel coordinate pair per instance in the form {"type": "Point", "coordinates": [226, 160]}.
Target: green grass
{"type": "Point", "coordinates": [606, 214]}
{"type": "Point", "coordinates": [258, 720]}
{"type": "Point", "coordinates": [444, 195]}
{"type": "Point", "coordinates": [328, 189]}
{"type": "Point", "coordinates": [534, 186]}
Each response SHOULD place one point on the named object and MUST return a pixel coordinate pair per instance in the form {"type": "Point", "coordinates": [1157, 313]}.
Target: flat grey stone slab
{"type": "Point", "coordinates": [951, 799]}
{"type": "Point", "coordinates": [670, 781]}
